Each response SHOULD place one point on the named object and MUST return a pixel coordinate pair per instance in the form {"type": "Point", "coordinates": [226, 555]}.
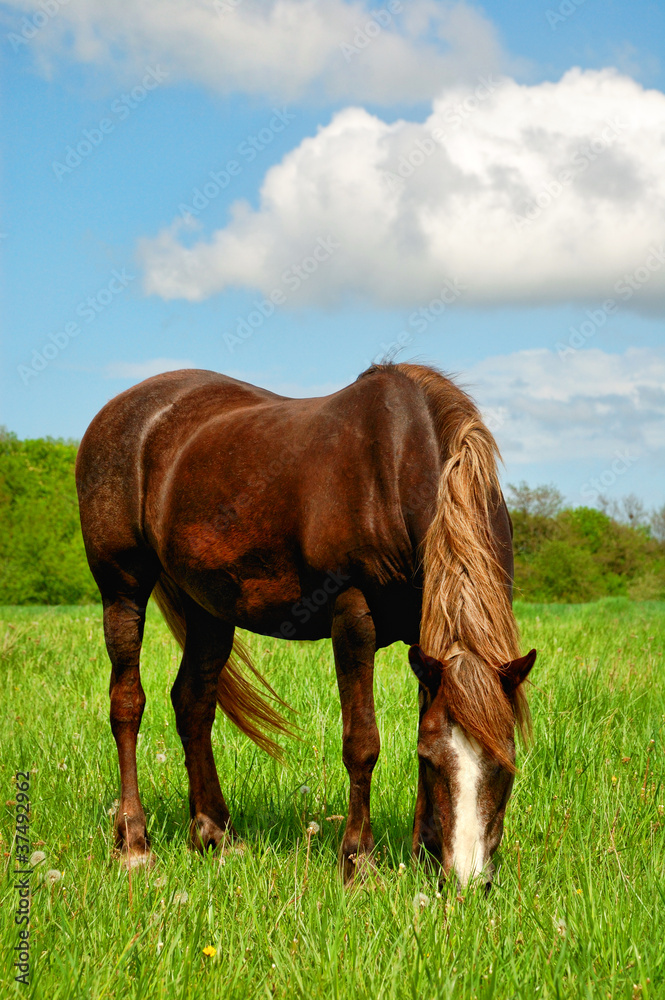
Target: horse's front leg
{"type": "Point", "coordinates": [354, 645]}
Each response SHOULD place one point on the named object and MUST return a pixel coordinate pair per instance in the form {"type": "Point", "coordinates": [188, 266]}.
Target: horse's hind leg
{"type": "Point", "coordinates": [354, 645]}
{"type": "Point", "coordinates": [124, 618]}
{"type": "Point", "coordinates": [208, 646]}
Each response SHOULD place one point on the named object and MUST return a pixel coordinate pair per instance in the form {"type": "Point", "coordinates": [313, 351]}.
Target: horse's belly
{"type": "Point", "coordinates": [257, 588]}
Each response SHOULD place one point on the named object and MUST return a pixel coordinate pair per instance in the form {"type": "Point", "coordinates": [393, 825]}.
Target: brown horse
{"type": "Point", "coordinates": [371, 515]}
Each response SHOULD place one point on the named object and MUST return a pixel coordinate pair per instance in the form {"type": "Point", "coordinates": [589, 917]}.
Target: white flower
{"type": "Point", "coordinates": [53, 875]}
{"type": "Point", "coordinates": [313, 828]}
{"type": "Point", "coordinates": [401, 869]}
{"type": "Point", "coordinates": [37, 858]}
{"type": "Point", "coordinates": [420, 901]}
{"type": "Point", "coordinates": [160, 945]}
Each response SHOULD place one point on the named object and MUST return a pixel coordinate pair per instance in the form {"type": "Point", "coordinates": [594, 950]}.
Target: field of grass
{"type": "Point", "coordinates": [578, 911]}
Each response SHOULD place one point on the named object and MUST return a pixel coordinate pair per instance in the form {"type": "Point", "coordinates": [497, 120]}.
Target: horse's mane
{"type": "Point", "coordinates": [466, 594]}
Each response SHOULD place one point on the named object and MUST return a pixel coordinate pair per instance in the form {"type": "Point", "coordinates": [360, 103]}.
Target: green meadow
{"type": "Point", "coordinates": [578, 910]}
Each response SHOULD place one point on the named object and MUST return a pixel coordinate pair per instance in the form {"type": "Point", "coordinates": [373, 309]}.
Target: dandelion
{"type": "Point", "coordinates": [112, 810]}
{"type": "Point", "coordinates": [180, 898]}
{"type": "Point", "coordinates": [561, 927]}
{"type": "Point", "coordinates": [559, 649]}
{"type": "Point", "coordinates": [36, 858]}
{"type": "Point", "coordinates": [53, 875]}
{"type": "Point", "coordinates": [160, 758]}
{"type": "Point", "coordinates": [304, 789]}
{"type": "Point", "coordinates": [401, 869]}
{"type": "Point", "coordinates": [62, 766]}
{"type": "Point", "coordinates": [312, 829]}
{"type": "Point", "coordinates": [159, 882]}
{"type": "Point", "coordinates": [614, 779]}
{"type": "Point", "coordinates": [160, 945]}
{"type": "Point", "coordinates": [209, 951]}
{"type": "Point", "coordinates": [420, 901]}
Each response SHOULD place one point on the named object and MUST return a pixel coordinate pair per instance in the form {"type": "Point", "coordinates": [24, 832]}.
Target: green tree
{"type": "Point", "coordinates": [42, 559]}
{"type": "Point", "coordinates": [581, 554]}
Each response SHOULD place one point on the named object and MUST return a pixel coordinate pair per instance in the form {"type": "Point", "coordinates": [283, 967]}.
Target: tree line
{"type": "Point", "coordinates": [562, 554]}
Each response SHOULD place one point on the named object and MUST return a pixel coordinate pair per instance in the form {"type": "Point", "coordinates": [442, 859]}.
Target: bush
{"type": "Point", "coordinates": [42, 559]}
{"type": "Point", "coordinates": [582, 554]}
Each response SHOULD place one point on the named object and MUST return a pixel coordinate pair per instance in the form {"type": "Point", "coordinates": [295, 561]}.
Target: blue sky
{"type": "Point", "coordinates": [106, 279]}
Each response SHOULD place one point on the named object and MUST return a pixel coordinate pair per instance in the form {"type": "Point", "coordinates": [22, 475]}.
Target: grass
{"type": "Point", "coordinates": [579, 911]}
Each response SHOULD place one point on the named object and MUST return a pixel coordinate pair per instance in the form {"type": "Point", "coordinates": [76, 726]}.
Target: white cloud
{"type": "Point", "coordinates": [402, 51]}
{"type": "Point", "coordinates": [583, 157]}
{"type": "Point", "coordinates": [583, 407]}
{"type": "Point", "coordinates": [138, 370]}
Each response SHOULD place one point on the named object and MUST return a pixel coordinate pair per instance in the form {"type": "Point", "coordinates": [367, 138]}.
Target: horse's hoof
{"type": "Point", "coordinates": [358, 870]}
{"type": "Point", "coordinates": [134, 859]}
{"type": "Point", "coordinates": [231, 846]}
{"type": "Point", "coordinates": [205, 835]}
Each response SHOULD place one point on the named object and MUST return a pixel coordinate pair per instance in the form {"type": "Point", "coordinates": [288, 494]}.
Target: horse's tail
{"type": "Point", "coordinates": [238, 698]}
{"type": "Point", "coordinates": [466, 590]}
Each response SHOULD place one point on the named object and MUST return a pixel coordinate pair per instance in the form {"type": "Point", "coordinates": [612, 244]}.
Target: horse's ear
{"type": "Point", "coordinates": [516, 672]}
{"type": "Point", "coordinates": [426, 669]}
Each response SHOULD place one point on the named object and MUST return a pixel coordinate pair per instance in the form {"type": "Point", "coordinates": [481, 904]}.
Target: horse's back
{"type": "Point", "coordinates": [110, 465]}
{"type": "Point", "coordinates": [249, 498]}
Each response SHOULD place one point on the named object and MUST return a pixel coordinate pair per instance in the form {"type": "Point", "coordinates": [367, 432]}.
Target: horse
{"type": "Point", "coordinates": [369, 516]}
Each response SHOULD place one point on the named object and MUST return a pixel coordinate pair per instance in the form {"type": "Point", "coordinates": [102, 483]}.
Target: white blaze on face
{"type": "Point", "coordinates": [467, 846]}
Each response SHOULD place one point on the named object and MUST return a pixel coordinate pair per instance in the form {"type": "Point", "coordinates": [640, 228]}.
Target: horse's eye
{"type": "Point", "coordinates": [425, 754]}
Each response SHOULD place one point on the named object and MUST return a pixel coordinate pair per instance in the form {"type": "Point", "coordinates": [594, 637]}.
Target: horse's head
{"type": "Point", "coordinates": [466, 751]}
